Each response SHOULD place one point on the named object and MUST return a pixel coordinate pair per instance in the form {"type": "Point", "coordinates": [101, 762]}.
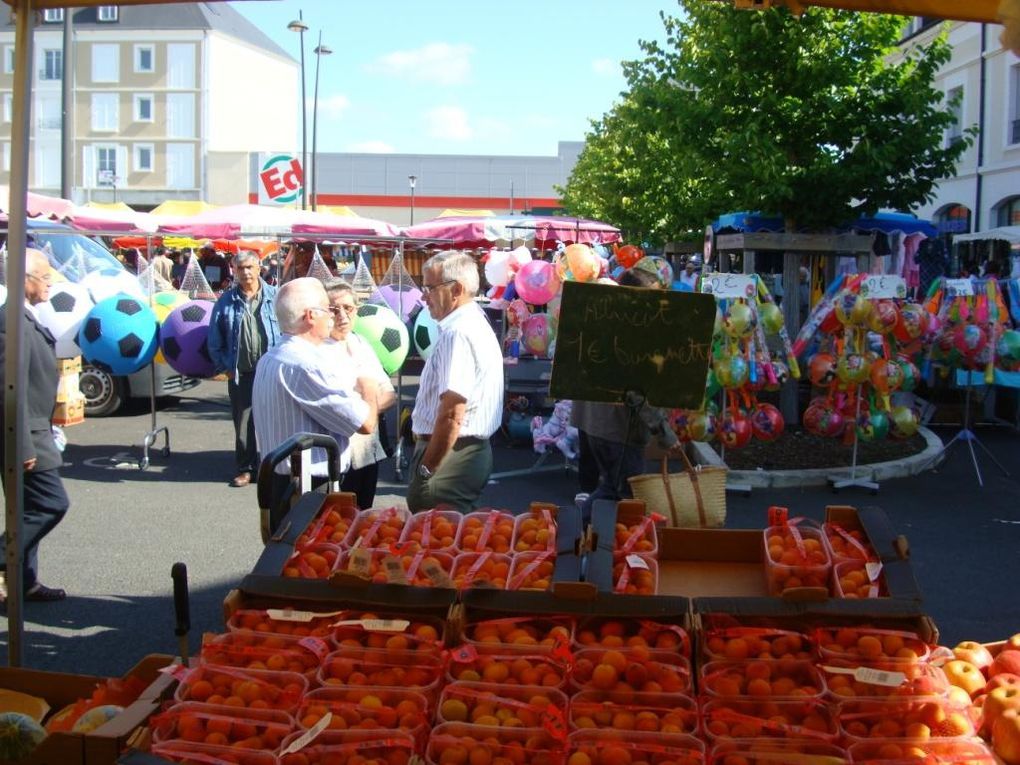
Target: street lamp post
{"type": "Point", "coordinates": [320, 51]}
{"type": "Point", "coordinates": [412, 179]}
{"type": "Point", "coordinates": [301, 27]}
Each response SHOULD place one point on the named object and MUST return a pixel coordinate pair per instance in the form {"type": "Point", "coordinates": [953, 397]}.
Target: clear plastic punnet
{"type": "Point", "coordinates": [911, 719]}
{"type": "Point", "coordinates": [421, 568]}
{"type": "Point", "coordinates": [378, 527]}
{"type": "Point", "coordinates": [414, 670]}
{"type": "Point", "coordinates": [638, 538]}
{"type": "Point", "coordinates": [644, 671]}
{"type": "Point", "coordinates": [966, 752]}
{"type": "Point", "coordinates": [181, 751]}
{"type": "Point", "coordinates": [847, 544]}
{"type": "Point", "coordinates": [532, 571]}
{"type": "Point", "coordinates": [366, 708]}
{"type": "Point", "coordinates": [871, 645]}
{"type": "Point", "coordinates": [534, 531]}
{"type": "Point", "coordinates": [635, 574]}
{"type": "Point", "coordinates": [223, 725]}
{"type": "Point", "coordinates": [611, 747]}
{"type": "Point", "coordinates": [384, 630]}
{"type": "Point", "coordinates": [811, 719]}
{"type": "Point", "coordinates": [858, 580]}
{"type": "Point", "coordinates": [534, 746]}
{"type": "Point", "coordinates": [497, 705]}
{"type": "Point", "coordinates": [785, 678]}
{"type": "Point", "coordinates": [356, 747]}
{"type": "Point", "coordinates": [330, 526]}
{"type": "Point", "coordinates": [538, 634]}
{"type": "Point", "coordinates": [740, 643]}
{"type": "Point", "coordinates": [519, 667]}
{"type": "Point", "coordinates": [433, 530]}
{"type": "Point", "coordinates": [849, 680]}
{"type": "Point", "coordinates": [644, 712]}
{"type": "Point", "coordinates": [484, 569]}
{"type": "Point", "coordinates": [256, 650]}
{"type": "Point", "coordinates": [608, 632]}
{"type": "Point", "coordinates": [314, 561]}
{"type": "Point", "coordinates": [284, 621]}
{"type": "Point", "coordinates": [795, 556]}
{"type": "Point", "coordinates": [241, 688]}
{"type": "Point", "coordinates": [773, 751]}
{"type": "Point", "coordinates": [486, 531]}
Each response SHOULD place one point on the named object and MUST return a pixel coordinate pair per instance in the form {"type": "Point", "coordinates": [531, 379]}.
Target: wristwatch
{"type": "Point", "coordinates": [423, 471]}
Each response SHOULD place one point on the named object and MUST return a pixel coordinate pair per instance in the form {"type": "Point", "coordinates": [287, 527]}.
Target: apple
{"type": "Point", "coordinates": [1006, 678]}
{"type": "Point", "coordinates": [974, 652]}
{"type": "Point", "coordinates": [1006, 736]}
{"type": "Point", "coordinates": [1006, 661]}
{"type": "Point", "coordinates": [964, 675]}
{"type": "Point", "coordinates": [960, 698]}
{"type": "Point", "coordinates": [997, 702]}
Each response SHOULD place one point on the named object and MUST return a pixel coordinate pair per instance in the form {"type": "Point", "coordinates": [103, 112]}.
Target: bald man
{"type": "Point", "coordinates": [44, 499]}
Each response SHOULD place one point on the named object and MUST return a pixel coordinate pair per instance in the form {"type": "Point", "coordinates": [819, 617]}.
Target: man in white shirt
{"type": "Point", "coordinates": [301, 389]}
{"type": "Point", "coordinates": [460, 394]}
{"type": "Point", "coordinates": [689, 276]}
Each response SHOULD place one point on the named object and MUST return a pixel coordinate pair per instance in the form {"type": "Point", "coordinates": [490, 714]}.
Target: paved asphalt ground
{"type": "Point", "coordinates": [127, 527]}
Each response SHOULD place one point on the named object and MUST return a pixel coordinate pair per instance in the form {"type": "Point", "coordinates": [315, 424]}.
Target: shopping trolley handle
{"type": "Point", "coordinates": [293, 447]}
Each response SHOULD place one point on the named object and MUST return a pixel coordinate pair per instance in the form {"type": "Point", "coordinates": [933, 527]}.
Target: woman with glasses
{"type": "Point", "coordinates": [357, 355]}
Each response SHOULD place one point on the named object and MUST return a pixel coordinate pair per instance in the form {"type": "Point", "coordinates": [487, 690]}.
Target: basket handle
{"type": "Point", "coordinates": [693, 473]}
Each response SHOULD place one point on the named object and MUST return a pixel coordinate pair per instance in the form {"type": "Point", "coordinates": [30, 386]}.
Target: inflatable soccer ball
{"type": "Point", "coordinates": [118, 335]}
{"type": "Point", "coordinates": [426, 332]}
{"type": "Point", "coordinates": [384, 331]}
{"type": "Point", "coordinates": [63, 314]}
{"type": "Point", "coordinates": [107, 282]}
{"type": "Point", "coordinates": [163, 303]}
{"type": "Point", "coordinates": [184, 339]}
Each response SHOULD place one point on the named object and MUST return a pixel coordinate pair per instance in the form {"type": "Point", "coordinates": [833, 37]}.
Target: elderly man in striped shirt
{"type": "Point", "coordinates": [460, 394]}
{"type": "Point", "coordinates": [300, 388]}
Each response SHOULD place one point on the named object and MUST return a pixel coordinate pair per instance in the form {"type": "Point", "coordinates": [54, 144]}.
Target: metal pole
{"type": "Point", "coordinates": [300, 27]}
{"type": "Point", "coordinates": [67, 108]}
{"type": "Point", "coordinates": [320, 51]}
{"type": "Point", "coordinates": [15, 366]}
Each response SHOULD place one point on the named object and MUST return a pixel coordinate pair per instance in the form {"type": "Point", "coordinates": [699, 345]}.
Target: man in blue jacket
{"type": "Point", "coordinates": [242, 328]}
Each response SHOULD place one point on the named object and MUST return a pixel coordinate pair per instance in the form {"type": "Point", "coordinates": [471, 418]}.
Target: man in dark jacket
{"type": "Point", "coordinates": [44, 499]}
{"type": "Point", "coordinates": [242, 328]}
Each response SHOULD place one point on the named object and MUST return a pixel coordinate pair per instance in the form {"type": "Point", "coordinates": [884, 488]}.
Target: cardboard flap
{"type": "Point", "coordinates": [491, 604]}
{"type": "Point", "coordinates": [318, 594]}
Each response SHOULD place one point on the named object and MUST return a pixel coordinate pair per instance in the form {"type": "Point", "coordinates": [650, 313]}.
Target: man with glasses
{"type": "Point", "coordinates": [241, 329]}
{"type": "Point", "coordinates": [301, 389]}
{"type": "Point", "coordinates": [44, 500]}
{"type": "Point", "coordinates": [460, 394]}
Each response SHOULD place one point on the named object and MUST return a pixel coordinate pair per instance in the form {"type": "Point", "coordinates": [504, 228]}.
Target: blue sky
{"type": "Point", "coordinates": [459, 77]}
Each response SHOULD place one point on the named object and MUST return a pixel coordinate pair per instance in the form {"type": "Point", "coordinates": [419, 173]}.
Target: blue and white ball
{"type": "Point", "coordinates": [119, 335]}
{"type": "Point", "coordinates": [426, 332]}
{"type": "Point", "coordinates": [63, 314]}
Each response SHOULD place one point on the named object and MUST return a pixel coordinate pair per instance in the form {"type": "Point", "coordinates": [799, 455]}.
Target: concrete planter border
{"type": "Point", "coordinates": [879, 471]}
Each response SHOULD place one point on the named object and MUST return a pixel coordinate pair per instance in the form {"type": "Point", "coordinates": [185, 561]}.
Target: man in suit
{"type": "Point", "coordinates": [44, 499]}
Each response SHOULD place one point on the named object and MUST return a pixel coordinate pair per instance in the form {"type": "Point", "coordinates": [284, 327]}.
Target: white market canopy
{"type": "Point", "coordinates": [1009, 234]}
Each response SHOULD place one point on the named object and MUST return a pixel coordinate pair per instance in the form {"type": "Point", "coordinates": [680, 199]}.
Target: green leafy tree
{"type": "Point", "coordinates": [818, 119]}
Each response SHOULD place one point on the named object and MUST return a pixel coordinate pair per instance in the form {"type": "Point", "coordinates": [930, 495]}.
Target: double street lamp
{"type": "Point", "coordinates": [299, 26]}
{"type": "Point", "coordinates": [320, 51]}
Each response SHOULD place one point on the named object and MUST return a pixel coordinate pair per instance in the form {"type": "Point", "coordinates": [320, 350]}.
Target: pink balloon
{"type": "Point", "coordinates": [536, 282]}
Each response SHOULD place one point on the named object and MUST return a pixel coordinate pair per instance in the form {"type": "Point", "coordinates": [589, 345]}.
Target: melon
{"type": "Point", "coordinates": [19, 735]}
{"type": "Point", "coordinates": [15, 701]}
{"type": "Point", "coordinates": [96, 718]}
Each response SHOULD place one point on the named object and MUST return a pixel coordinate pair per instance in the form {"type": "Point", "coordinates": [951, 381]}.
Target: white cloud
{"type": "Point", "coordinates": [330, 107]}
{"type": "Point", "coordinates": [439, 63]}
{"type": "Point", "coordinates": [605, 67]}
{"type": "Point", "coordinates": [371, 147]}
{"type": "Point", "coordinates": [448, 123]}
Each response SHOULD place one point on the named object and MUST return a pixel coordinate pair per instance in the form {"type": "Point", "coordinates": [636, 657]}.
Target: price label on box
{"type": "Point", "coordinates": [876, 287]}
{"type": "Point", "coordinates": [959, 287]}
{"type": "Point", "coordinates": [729, 285]}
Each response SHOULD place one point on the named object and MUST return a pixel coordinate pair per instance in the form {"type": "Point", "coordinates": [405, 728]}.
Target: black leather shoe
{"type": "Point", "coordinates": [40, 593]}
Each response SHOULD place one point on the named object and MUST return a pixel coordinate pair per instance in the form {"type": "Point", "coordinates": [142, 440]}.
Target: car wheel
{"type": "Point", "coordinates": [103, 392]}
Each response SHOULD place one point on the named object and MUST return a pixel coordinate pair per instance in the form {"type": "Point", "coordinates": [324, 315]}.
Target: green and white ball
{"type": "Point", "coordinates": [385, 332]}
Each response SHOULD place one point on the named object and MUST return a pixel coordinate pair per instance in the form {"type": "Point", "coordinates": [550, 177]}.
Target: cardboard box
{"type": "Point", "coordinates": [69, 366]}
{"type": "Point", "coordinates": [103, 745]}
{"type": "Point", "coordinates": [67, 387]}
{"type": "Point", "coordinates": [70, 412]}
{"type": "Point", "coordinates": [920, 624]}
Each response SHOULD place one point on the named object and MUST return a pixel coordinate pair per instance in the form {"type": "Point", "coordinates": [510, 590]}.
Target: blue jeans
{"type": "Point", "coordinates": [616, 463]}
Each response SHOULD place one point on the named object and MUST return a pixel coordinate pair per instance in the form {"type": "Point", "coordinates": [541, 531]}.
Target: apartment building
{"type": "Point", "coordinates": [169, 102]}
{"type": "Point", "coordinates": [985, 192]}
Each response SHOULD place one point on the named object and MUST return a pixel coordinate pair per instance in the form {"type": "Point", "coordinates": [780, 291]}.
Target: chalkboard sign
{"type": "Point", "coordinates": [615, 339]}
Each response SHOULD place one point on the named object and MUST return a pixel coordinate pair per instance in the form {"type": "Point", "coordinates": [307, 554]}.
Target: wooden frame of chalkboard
{"type": "Point", "coordinates": [614, 339]}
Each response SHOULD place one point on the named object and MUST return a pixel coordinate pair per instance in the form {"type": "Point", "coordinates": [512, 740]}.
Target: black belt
{"type": "Point", "coordinates": [426, 437]}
